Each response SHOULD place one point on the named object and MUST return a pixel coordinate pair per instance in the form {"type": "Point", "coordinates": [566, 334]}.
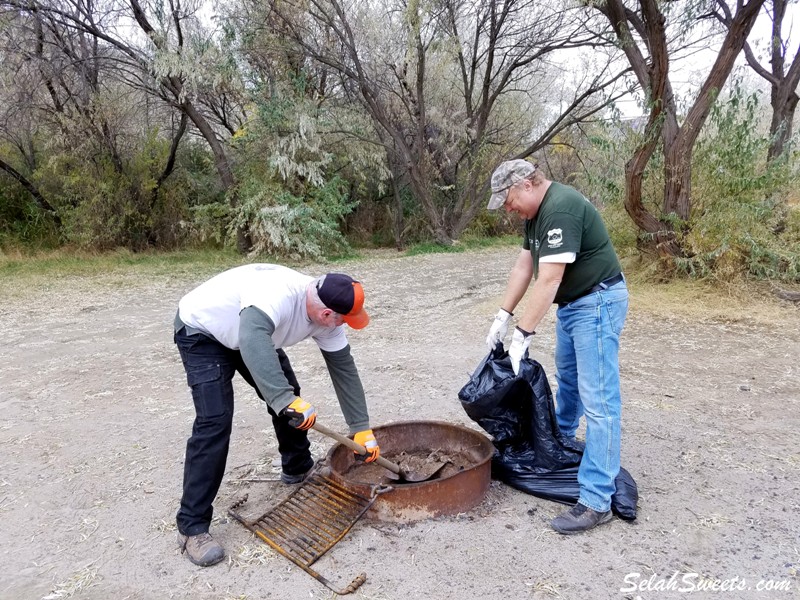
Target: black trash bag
{"type": "Point", "coordinates": [531, 453]}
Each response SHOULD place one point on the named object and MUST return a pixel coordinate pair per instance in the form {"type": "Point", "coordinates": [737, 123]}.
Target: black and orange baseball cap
{"type": "Point", "coordinates": [344, 295]}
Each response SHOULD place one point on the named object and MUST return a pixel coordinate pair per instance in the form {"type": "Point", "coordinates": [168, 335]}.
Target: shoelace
{"type": "Point", "coordinates": [202, 539]}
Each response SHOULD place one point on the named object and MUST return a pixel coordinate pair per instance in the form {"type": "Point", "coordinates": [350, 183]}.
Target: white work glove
{"type": "Point", "coordinates": [498, 330]}
{"type": "Point", "coordinates": [520, 341]}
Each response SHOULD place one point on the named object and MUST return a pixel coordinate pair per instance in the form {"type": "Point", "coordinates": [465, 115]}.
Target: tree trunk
{"type": "Point", "coordinates": [398, 220]}
{"type": "Point", "coordinates": [678, 141]}
{"type": "Point", "coordinates": [243, 241]}
{"type": "Point", "coordinates": [465, 217]}
{"type": "Point", "coordinates": [220, 159]}
{"type": "Point", "coordinates": [783, 82]}
{"type": "Point", "coordinates": [170, 166]}
{"type": "Point", "coordinates": [397, 173]}
{"type": "Point", "coordinates": [658, 234]}
{"type": "Point", "coordinates": [32, 190]}
{"type": "Point", "coordinates": [678, 155]}
{"type": "Point", "coordinates": [784, 103]}
{"type": "Point", "coordinates": [436, 220]}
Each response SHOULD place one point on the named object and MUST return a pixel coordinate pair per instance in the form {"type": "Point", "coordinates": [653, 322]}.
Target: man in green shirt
{"type": "Point", "coordinates": [568, 253]}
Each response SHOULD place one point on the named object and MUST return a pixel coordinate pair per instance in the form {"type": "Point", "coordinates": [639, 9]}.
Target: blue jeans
{"type": "Point", "coordinates": [587, 372]}
{"type": "Point", "coordinates": [210, 368]}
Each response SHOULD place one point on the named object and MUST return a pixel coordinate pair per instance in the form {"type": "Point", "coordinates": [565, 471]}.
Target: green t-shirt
{"type": "Point", "coordinates": [568, 222]}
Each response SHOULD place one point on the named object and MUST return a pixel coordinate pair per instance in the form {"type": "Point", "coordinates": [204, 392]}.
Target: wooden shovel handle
{"type": "Point", "coordinates": [386, 464]}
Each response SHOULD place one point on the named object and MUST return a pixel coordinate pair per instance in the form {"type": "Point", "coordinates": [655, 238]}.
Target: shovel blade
{"type": "Point", "coordinates": [424, 473]}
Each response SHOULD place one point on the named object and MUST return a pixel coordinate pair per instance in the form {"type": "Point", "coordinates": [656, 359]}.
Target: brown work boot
{"type": "Point", "coordinates": [201, 549]}
{"type": "Point", "coordinates": [578, 519]}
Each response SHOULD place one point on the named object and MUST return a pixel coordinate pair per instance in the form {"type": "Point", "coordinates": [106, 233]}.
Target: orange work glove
{"type": "Point", "coordinates": [367, 439]}
{"type": "Point", "coordinates": [301, 414]}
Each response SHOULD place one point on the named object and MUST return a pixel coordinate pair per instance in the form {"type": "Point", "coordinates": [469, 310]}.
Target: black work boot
{"type": "Point", "coordinates": [202, 549]}
{"type": "Point", "coordinates": [578, 519]}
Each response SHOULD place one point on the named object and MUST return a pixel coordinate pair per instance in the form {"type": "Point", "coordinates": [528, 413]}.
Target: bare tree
{"type": "Point", "coordinates": [642, 34]}
{"type": "Point", "coordinates": [75, 87]}
{"type": "Point", "coordinates": [167, 65]}
{"type": "Point", "coordinates": [783, 81]}
{"type": "Point", "coordinates": [18, 126]}
{"type": "Point", "coordinates": [449, 85]}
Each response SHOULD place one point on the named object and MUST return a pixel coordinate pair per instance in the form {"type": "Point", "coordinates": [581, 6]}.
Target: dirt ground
{"type": "Point", "coordinates": [95, 415]}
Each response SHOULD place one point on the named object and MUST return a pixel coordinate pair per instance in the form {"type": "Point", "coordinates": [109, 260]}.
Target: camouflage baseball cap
{"type": "Point", "coordinates": [505, 176]}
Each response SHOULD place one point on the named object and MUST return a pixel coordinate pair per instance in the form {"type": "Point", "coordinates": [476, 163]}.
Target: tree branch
{"type": "Point", "coordinates": [32, 190]}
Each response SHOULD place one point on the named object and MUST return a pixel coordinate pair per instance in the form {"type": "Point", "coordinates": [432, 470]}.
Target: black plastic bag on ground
{"type": "Point", "coordinates": [531, 454]}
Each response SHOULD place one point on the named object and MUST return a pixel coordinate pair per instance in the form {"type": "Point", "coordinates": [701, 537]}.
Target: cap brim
{"type": "Point", "coordinates": [497, 200]}
{"type": "Point", "coordinates": [358, 320]}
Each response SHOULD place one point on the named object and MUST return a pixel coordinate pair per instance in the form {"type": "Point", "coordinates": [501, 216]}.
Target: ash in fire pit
{"type": "Point", "coordinates": [438, 463]}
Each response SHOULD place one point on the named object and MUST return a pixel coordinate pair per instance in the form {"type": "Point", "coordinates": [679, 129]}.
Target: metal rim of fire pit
{"type": "Point", "coordinates": [409, 502]}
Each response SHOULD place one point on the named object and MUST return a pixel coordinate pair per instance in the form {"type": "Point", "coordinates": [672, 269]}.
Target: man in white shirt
{"type": "Point", "coordinates": [240, 321]}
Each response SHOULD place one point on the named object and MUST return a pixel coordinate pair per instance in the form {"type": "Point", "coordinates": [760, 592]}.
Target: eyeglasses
{"type": "Point", "coordinates": [508, 195]}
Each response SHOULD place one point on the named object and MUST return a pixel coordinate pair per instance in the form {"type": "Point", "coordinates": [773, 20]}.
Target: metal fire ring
{"type": "Point", "coordinates": [450, 494]}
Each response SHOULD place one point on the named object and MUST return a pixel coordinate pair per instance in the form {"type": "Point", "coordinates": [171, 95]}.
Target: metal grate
{"type": "Point", "coordinates": [309, 522]}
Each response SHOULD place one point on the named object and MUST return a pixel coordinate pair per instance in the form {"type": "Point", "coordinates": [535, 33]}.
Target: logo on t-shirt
{"type": "Point", "coordinates": [554, 239]}
{"type": "Point", "coordinates": [534, 243]}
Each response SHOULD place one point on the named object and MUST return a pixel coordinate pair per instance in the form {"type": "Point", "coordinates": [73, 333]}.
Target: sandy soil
{"type": "Point", "coordinates": [95, 414]}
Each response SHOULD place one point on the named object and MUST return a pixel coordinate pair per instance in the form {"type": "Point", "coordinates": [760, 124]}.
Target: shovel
{"type": "Point", "coordinates": [407, 476]}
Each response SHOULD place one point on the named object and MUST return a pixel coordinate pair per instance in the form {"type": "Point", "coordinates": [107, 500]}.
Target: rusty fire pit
{"type": "Point", "coordinates": [458, 487]}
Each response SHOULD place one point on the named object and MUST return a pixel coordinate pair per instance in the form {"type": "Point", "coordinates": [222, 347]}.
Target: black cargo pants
{"type": "Point", "coordinates": [210, 368]}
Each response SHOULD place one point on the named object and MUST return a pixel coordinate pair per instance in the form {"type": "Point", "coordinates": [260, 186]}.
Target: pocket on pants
{"type": "Point", "coordinates": [616, 311]}
{"type": "Point", "coordinates": [207, 392]}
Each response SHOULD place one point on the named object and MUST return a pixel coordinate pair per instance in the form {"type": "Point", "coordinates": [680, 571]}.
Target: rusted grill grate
{"type": "Point", "coordinates": [309, 522]}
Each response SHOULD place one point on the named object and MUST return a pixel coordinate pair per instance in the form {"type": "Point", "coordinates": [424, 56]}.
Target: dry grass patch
{"type": "Point", "coordinates": [544, 587]}
{"type": "Point", "coordinates": [738, 302]}
{"type": "Point", "coordinates": [252, 554]}
{"type": "Point", "coordinates": [77, 582]}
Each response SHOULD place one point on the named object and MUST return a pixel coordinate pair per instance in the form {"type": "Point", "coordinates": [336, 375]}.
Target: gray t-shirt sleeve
{"type": "Point", "coordinates": [261, 359]}
{"type": "Point", "coordinates": [348, 387]}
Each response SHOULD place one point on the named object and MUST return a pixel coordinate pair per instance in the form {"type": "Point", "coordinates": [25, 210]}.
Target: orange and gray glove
{"type": "Point", "coordinates": [301, 414]}
{"type": "Point", "coordinates": [367, 439]}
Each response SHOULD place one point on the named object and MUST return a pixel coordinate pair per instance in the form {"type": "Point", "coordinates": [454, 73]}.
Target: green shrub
{"type": "Point", "coordinates": [282, 224]}
{"type": "Point", "coordinates": [105, 206]}
{"type": "Point", "coordinates": [741, 223]}
{"type": "Point", "coordinates": [23, 224]}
